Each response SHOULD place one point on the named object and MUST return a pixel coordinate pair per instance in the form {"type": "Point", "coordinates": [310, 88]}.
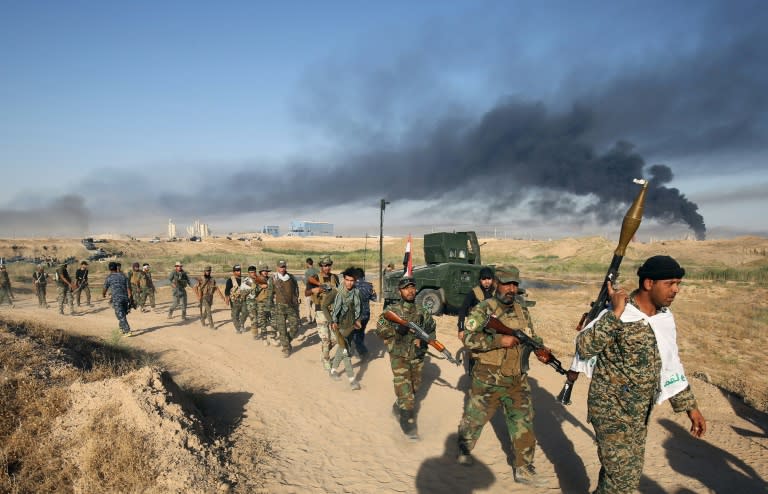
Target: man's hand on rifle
{"type": "Point", "coordinates": [508, 341]}
{"type": "Point", "coordinates": [401, 330]}
{"type": "Point", "coordinates": [543, 354]}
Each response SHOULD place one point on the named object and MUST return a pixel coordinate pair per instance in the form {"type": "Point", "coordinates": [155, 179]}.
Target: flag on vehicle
{"type": "Point", "coordinates": [408, 259]}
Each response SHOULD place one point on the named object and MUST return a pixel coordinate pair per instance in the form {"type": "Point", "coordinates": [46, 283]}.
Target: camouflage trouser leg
{"type": "Point", "coordinates": [406, 379]}
{"type": "Point", "coordinates": [327, 338]}
{"type": "Point", "coordinates": [148, 293]}
{"type": "Point", "coordinates": [80, 291]}
{"type": "Point", "coordinates": [41, 300]}
{"type": "Point", "coordinates": [5, 295]}
{"type": "Point", "coordinates": [262, 319]}
{"type": "Point", "coordinates": [310, 309]}
{"type": "Point", "coordinates": [206, 313]}
{"type": "Point", "coordinates": [514, 395]}
{"type": "Point", "coordinates": [121, 311]}
{"type": "Point", "coordinates": [136, 295]}
{"type": "Point", "coordinates": [64, 296]}
{"type": "Point", "coordinates": [286, 321]}
{"type": "Point", "coordinates": [621, 449]}
{"type": "Point", "coordinates": [342, 353]}
{"type": "Point", "coordinates": [251, 312]}
{"type": "Point", "coordinates": [237, 310]}
{"type": "Point", "coordinates": [179, 299]}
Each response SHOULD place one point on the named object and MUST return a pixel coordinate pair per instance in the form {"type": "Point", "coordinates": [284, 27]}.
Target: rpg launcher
{"type": "Point", "coordinates": [543, 353]}
{"type": "Point", "coordinates": [421, 334]}
{"type": "Point", "coordinates": [628, 229]}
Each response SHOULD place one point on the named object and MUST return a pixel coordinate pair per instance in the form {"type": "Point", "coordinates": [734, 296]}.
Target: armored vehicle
{"type": "Point", "coordinates": [452, 268]}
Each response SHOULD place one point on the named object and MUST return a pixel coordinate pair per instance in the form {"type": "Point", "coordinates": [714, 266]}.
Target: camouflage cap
{"type": "Point", "coordinates": [264, 267]}
{"type": "Point", "coordinates": [178, 263]}
{"type": "Point", "coordinates": [406, 281]}
{"type": "Point", "coordinates": [326, 261]}
{"type": "Point", "coordinates": [508, 274]}
{"type": "Point", "coordinates": [251, 268]}
{"type": "Point", "coordinates": [282, 264]}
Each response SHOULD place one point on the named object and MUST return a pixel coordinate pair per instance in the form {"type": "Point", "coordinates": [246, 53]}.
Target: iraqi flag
{"type": "Point", "coordinates": [408, 259]}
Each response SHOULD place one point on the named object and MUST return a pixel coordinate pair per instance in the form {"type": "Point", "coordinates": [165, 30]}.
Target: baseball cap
{"type": "Point", "coordinates": [236, 267]}
{"type": "Point", "coordinates": [508, 274]}
{"type": "Point", "coordinates": [282, 264]}
{"type": "Point", "coordinates": [178, 263]}
{"type": "Point", "coordinates": [406, 281]}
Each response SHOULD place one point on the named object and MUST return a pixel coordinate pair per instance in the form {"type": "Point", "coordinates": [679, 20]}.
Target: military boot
{"type": "Point", "coordinates": [408, 424]}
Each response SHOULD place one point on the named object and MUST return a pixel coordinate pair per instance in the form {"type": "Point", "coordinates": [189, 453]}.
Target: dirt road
{"type": "Point", "coordinates": [329, 438]}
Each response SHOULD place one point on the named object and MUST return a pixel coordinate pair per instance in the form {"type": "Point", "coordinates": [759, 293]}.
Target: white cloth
{"type": "Point", "coordinates": [283, 277]}
{"type": "Point", "coordinates": [662, 324]}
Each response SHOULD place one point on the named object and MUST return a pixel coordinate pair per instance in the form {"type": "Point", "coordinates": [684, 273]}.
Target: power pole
{"type": "Point", "coordinates": [381, 246]}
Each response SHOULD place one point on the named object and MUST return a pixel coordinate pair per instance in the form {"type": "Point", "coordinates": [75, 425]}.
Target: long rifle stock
{"type": "Point", "coordinates": [544, 353]}
{"type": "Point", "coordinates": [421, 334]}
{"type": "Point", "coordinates": [628, 229]}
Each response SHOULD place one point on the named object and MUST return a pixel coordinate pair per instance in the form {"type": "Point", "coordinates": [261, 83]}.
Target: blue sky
{"type": "Point", "coordinates": [492, 115]}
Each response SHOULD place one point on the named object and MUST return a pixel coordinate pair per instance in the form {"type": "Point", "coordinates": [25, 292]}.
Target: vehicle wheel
{"type": "Point", "coordinates": [431, 300]}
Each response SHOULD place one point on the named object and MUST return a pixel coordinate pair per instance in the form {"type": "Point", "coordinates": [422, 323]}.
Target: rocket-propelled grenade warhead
{"type": "Point", "coordinates": [632, 219]}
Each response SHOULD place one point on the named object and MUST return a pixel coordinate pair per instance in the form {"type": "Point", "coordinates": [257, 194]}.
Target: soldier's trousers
{"type": "Point", "coordinates": [5, 295]}
{"type": "Point", "coordinates": [513, 394]}
{"type": "Point", "coordinates": [262, 320]}
{"type": "Point", "coordinates": [406, 377]}
{"type": "Point", "coordinates": [237, 310]}
{"type": "Point", "coordinates": [64, 296]}
{"type": "Point", "coordinates": [41, 300]}
{"type": "Point", "coordinates": [327, 338]}
{"type": "Point", "coordinates": [147, 293]}
{"type": "Point", "coordinates": [343, 353]}
{"type": "Point", "coordinates": [206, 315]}
{"type": "Point", "coordinates": [310, 309]}
{"type": "Point", "coordinates": [179, 299]}
{"type": "Point", "coordinates": [286, 321]}
{"type": "Point", "coordinates": [79, 291]}
{"type": "Point", "coordinates": [621, 449]}
{"type": "Point", "coordinates": [121, 307]}
{"type": "Point", "coordinates": [136, 295]}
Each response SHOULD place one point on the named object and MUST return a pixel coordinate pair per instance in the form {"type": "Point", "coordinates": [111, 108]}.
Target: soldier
{"type": "Point", "coordinates": [367, 295]}
{"type": "Point", "coordinates": [484, 290]}
{"type": "Point", "coordinates": [637, 365]}
{"type": "Point", "coordinates": [406, 353]}
{"type": "Point", "coordinates": [64, 289]}
{"type": "Point", "coordinates": [179, 280]}
{"type": "Point", "coordinates": [252, 287]}
{"type": "Point", "coordinates": [120, 290]}
{"type": "Point", "coordinates": [147, 289]}
{"type": "Point", "coordinates": [235, 299]}
{"type": "Point", "coordinates": [40, 280]}
{"type": "Point", "coordinates": [499, 377]}
{"type": "Point", "coordinates": [205, 288]}
{"type": "Point", "coordinates": [345, 318]}
{"type": "Point", "coordinates": [319, 286]}
{"type": "Point", "coordinates": [5, 286]}
{"type": "Point", "coordinates": [283, 291]}
{"type": "Point", "coordinates": [136, 279]}
{"type": "Point", "coordinates": [310, 271]}
{"type": "Point", "coordinates": [81, 282]}
{"type": "Point", "coordinates": [261, 326]}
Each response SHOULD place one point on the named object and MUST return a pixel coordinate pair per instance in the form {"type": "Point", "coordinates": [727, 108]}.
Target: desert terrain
{"type": "Point", "coordinates": [289, 428]}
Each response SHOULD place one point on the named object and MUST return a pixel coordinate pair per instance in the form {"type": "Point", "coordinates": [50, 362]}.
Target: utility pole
{"type": "Point", "coordinates": [381, 246]}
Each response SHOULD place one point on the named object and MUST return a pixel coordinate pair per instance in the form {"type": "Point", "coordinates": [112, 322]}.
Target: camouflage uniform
{"type": "Point", "coordinates": [258, 307]}
{"type": "Point", "coordinates": [64, 289]}
{"type": "Point", "coordinates": [405, 357]}
{"type": "Point", "coordinates": [179, 282]}
{"type": "Point", "coordinates": [147, 289]}
{"type": "Point", "coordinates": [625, 383]}
{"type": "Point", "coordinates": [136, 279]}
{"type": "Point", "coordinates": [117, 285]}
{"type": "Point", "coordinates": [5, 287]}
{"type": "Point", "coordinates": [499, 377]}
{"type": "Point", "coordinates": [322, 302]}
{"type": "Point", "coordinates": [285, 308]}
{"type": "Point", "coordinates": [40, 280]}
{"type": "Point", "coordinates": [236, 301]}
{"type": "Point", "coordinates": [81, 280]}
{"type": "Point", "coordinates": [205, 288]}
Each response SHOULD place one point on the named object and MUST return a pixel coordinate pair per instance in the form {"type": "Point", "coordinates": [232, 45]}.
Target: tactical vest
{"type": "Point", "coordinates": [509, 360]}
{"type": "Point", "coordinates": [136, 278]}
{"type": "Point", "coordinates": [206, 286]}
{"type": "Point", "coordinates": [234, 293]}
{"type": "Point", "coordinates": [331, 279]}
{"type": "Point", "coordinates": [478, 291]}
{"type": "Point", "coordinates": [285, 291]}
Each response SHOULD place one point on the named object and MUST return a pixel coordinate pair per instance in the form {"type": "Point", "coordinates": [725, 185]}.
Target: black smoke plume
{"type": "Point", "coordinates": [63, 215]}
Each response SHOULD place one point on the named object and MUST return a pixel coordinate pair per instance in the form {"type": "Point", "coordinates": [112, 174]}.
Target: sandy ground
{"type": "Point", "coordinates": [329, 438]}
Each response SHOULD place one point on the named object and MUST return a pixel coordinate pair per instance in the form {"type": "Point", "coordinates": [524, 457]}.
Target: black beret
{"type": "Point", "coordinates": [660, 268]}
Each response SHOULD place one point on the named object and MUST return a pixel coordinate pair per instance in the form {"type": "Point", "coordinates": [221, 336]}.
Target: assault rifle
{"type": "Point", "coordinates": [628, 229]}
{"type": "Point", "coordinates": [543, 353]}
{"type": "Point", "coordinates": [421, 334]}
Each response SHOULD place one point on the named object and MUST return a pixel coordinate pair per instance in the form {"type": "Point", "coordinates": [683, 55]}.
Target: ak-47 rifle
{"type": "Point", "coordinates": [628, 229]}
{"type": "Point", "coordinates": [421, 334]}
{"type": "Point", "coordinates": [544, 354]}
